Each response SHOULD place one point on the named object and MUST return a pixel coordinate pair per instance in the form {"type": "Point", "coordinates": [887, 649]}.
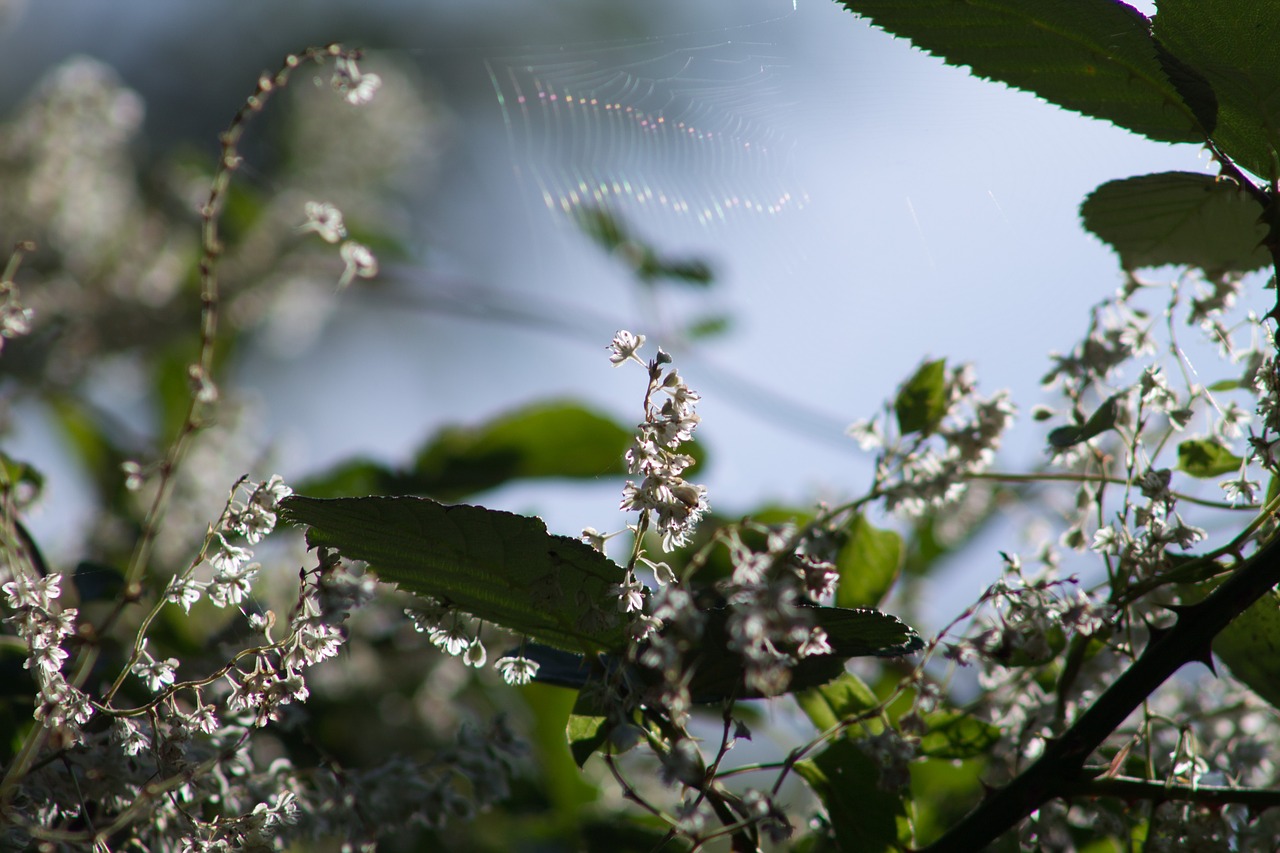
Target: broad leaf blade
{"type": "Point", "coordinates": [1182, 218]}
{"type": "Point", "coordinates": [1099, 422]}
{"type": "Point", "coordinates": [956, 735]}
{"type": "Point", "coordinates": [554, 439]}
{"type": "Point", "coordinates": [865, 817]}
{"type": "Point", "coordinates": [1206, 457]}
{"type": "Point", "coordinates": [860, 631]}
{"type": "Point", "coordinates": [1250, 647]}
{"type": "Point", "coordinates": [844, 697]}
{"type": "Point", "coordinates": [1096, 57]}
{"type": "Point", "coordinates": [922, 401]}
{"type": "Point", "coordinates": [1235, 46]}
{"type": "Point", "coordinates": [869, 562]}
{"type": "Point", "coordinates": [498, 566]}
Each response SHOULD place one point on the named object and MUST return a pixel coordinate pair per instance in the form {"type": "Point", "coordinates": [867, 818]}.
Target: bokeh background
{"type": "Point", "coordinates": [861, 205]}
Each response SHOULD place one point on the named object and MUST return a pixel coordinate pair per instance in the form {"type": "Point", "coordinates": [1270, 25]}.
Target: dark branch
{"type": "Point", "coordinates": [1125, 788]}
{"type": "Point", "coordinates": [1057, 773]}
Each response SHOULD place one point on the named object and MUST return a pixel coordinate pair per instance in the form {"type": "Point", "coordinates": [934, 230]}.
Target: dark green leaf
{"type": "Point", "coordinates": [718, 671]}
{"type": "Point", "coordinates": [957, 735]}
{"type": "Point", "coordinates": [869, 562]}
{"type": "Point", "coordinates": [498, 566]}
{"type": "Point", "coordinates": [922, 400]}
{"type": "Point", "coordinates": [1182, 218]}
{"type": "Point", "coordinates": [1098, 423]}
{"type": "Point", "coordinates": [1206, 457]}
{"type": "Point", "coordinates": [1234, 45]}
{"type": "Point", "coordinates": [866, 818]}
{"type": "Point", "coordinates": [1096, 57]}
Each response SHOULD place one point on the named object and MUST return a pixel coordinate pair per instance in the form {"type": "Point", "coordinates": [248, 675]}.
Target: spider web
{"type": "Point", "coordinates": [684, 127]}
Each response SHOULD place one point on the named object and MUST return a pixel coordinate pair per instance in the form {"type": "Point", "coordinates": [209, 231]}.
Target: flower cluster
{"type": "Point", "coordinates": [926, 470]}
{"type": "Point", "coordinates": [766, 624]}
{"type": "Point", "coordinates": [675, 504]}
{"type": "Point", "coordinates": [39, 621]}
{"type": "Point", "coordinates": [250, 513]}
{"type": "Point", "coordinates": [325, 220]}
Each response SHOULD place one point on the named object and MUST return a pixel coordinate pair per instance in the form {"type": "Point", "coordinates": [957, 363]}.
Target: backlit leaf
{"type": "Point", "coordinates": [922, 400]}
{"type": "Point", "coordinates": [865, 817]}
{"type": "Point", "coordinates": [498, 566]}
{"type": "Point", "coordinates": [1096, 57]}
{"type": "Point", "coordinates": [1206, 457]}
{"type": "Point", "coordinates": [1099, 422]}
{"type": "Point", "coordinates": [1183, 218]}
{"type": "Point", "coordinates": [869, 562]}
{"type": "Point", "coordinates": [1234, 45]}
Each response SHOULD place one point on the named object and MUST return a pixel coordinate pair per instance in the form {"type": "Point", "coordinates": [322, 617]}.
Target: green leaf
{"type": "Point", "coordinates": [954, 735]}
{"type": "Point", "coordinates": [1227, 385]}
{"type": "Point", "coordinates": [550, 710]}
{"type": "Point", "coordinates": [1181, 218]}
{"type": "Point", "coordinates": [549, 439]}
{"type": "Point", "coordinates": [588, 729]}
{"type": "Point", "coordinates": [498, 566]}
{"type": "Point", "coordinates": [1234, 45]}
{"type": "Point", "coordinates": [1096, 57]}
{"type": "Point", "coordinates": [1206, 457]}
{"type": "Point", "coordinates": [544, 440]}
{"type": "Point", "coordinates": [827, 705]}
{"type": "Point", "coordinates": [611, 234]}
{"type": "Point", "coordinates": [868, 562]}
{"type": "Point", "coordinates": [851, 632]}
{"type": "Point", "coordinates": [922, 400]}
{"type": "Point", "coordinates": [1098, 423]}
{"type": "Point", "coordinates": [865, 817]}
{"type": "Point", "coordinates": [1250, 647]}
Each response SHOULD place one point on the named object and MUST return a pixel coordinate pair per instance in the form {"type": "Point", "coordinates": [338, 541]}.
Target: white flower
{"type": "Point", "coordinates": [624, 347]}
{"type": "Point", "coordinates": [325, 220]}
{"type": "Point", "coordinates": [1106, 540]}
{"type": "Point", "coordinates": [816, 644]}
{"type": "Point", "coordinates": [233, 586]}
{"type": "Point", "coordinates": [229, 558]}
{"type": "Point", "coordinates": [130, 736]}
{"type": "Point", "coordinates": [454, 640]}
{"type": "Point", "coordinates": [475, 654]}
{"type": "Point", "coordinates": [183, 591]}
{"type": "Point", "coordinates": [1241, 490]}
{"type": "Point", "coordinates": [26, 591]}
{"type": "Point", "coordinates": [630, 593]}
{"type": "Point", "coordinates": [359, 260]}
{"type": "Point", "coordinates": [356, 87]}
{"type": "Point", "coordinates": [517, 670]}
{"type": "Point", "coordinates": [156, 673]}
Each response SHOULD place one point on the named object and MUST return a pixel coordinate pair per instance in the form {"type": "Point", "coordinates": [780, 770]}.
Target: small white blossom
{"type": "Point", "coordinates": [517, 670]}
{"type": "Point", "coordinates": [475, 654]}
{"type": "Point", "coordinates": [325, 220]}
{"type": "Point", "coordinates": [360, 263]}
{"type": "Point", "coordinates": [183, 591]}
{"type": "Point", "coordinates": [132, 739]}
{"type": "Point", "coordinates": [624, 347]}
